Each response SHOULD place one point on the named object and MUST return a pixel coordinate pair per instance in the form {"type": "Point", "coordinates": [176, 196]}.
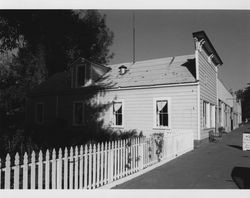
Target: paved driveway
{"type": "Point", "coordinates": [221, 165]}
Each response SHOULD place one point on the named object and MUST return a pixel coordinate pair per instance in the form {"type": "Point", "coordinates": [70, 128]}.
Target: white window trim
{"type": "Point", "coordinates": [112, 115]}
{"type": "Point", "coordinates": [169, 113]}
{"type": "Point", "coordinates": [36, 120]}
{"type": "Point", "coordinates": [73, 121]}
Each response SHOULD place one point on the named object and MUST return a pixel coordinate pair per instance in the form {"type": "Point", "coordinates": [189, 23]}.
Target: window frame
{"type": "Point", "coordinates": [83, 113]}
{"type": "Point", "coordinates": [155, 113]}
{"type": "Point", "coordinates": [113, 116]}
{"type": "Point", "coordinates": [36, 111]}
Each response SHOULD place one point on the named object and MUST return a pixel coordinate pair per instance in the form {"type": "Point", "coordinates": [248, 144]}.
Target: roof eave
{"type": "Point", "coordinates": [208, 47]}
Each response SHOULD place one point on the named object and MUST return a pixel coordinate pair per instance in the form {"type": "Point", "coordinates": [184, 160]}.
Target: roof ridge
{"type": "Point", "coordinates": [150, 60]}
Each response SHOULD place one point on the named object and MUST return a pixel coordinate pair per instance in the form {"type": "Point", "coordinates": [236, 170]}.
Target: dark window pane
{"type": "Point", "coordinates": [164, 119]}
{"type": "Point", "coordinates": [118, 119]}
{"type": "Point", "coordinates": [81, 76]}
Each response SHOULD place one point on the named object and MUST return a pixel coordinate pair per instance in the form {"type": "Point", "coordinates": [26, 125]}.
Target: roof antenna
{"type": "Point", "coordinates": [133, 37]}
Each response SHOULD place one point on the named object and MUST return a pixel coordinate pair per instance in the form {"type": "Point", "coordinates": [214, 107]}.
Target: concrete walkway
{"type": "Point", "coordinates": [220, 165]}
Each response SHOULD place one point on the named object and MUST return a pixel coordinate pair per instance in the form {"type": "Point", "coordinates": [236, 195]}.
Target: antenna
{"type": "Point", "coordinates": [133, 37]}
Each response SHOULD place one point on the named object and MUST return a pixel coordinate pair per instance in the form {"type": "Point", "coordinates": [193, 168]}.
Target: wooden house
{"type": "Point", "coordinates": [162, 95]}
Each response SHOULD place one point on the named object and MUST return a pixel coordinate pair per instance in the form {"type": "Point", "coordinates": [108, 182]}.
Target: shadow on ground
{"type": "Point", "coordinates": [241, 177]}
{"type": "Point", "coordinates": [235, 146]}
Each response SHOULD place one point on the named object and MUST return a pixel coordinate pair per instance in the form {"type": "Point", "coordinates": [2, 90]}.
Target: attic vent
{"type": "Point", "coordinates": [122, 69]}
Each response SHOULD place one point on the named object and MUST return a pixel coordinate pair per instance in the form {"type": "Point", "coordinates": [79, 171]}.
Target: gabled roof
{"type": "Point", "coordinates": [171, 70]}
{"type": "Point", "coordinates": [180, 69]}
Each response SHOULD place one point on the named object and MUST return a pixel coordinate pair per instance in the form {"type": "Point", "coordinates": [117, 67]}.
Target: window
{"type": "Point", "coordinates": [204, 114]}
{"type": "Point", "coordinates": [117, 112]}
{"type": "Point", "coordinates": [162, 113]}
{"type": "Point", "coordinates": [39, 113]}
{"type": "Point", "coordinates": [78, 113]}
{"type": "Point", "coordinates": [83, 75]}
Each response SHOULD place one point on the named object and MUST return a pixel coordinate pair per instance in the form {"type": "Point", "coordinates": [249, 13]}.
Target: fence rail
{"type": "Point", "coordinates": [90, 166]}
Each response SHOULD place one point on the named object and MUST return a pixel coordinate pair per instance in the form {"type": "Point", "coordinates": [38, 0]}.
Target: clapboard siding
{"type": "Point", "coordinates": [208, 86]}
{"type": "Point", "coordinates": [138, 107]}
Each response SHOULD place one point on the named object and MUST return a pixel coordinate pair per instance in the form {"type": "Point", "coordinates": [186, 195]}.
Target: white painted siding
{"type": "Point", "coordinates": [208, 86]}
{"type": "Point", "coordinates": [139, 105]}
{"type": "Point", "coordinates": [224, 95]}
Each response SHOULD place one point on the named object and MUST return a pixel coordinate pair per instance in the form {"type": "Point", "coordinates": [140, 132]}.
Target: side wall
{"type": "Point", "coordinates": [139, 107]}
{"type": "Point", "coordinates": [208, 86]}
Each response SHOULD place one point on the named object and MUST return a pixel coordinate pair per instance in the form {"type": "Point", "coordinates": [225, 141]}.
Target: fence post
{"type": "Point", "coordinates": [59, 170]}
{"type": "Point", "coordinates": [33, 170]}
{"type": "Point", "coordinates": [40, 170]}
{"type": "Point", "coordinates": [81, 168]}
{"type": "Point", "coordinates": [65, 163]}
{"type": "Point", "coordinates": [47, 170]}
{"type": "Point", "coordinates": [16, 172]}
{"type": "Point", "coordinates": [76, 168]}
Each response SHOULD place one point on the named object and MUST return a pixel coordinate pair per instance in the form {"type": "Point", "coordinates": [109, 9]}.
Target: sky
{"type": "Point", "coordinates": [166, 33]}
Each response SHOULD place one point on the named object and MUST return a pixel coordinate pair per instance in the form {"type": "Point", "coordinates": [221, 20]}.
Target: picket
{"type": "Point", "coordinates": [90, 166]}
{"type": "Point", "coordinates": [71, 163]}
{"type": "Point", "coordinates": [16, 172]}
{"type": "Point", "coordinates": [76, 168]}
{"type": "Point", "coordinates": [106, 164]}
{"type": "Point", "coordinates": [102, 161]}
{"type": "Point", "coordinates": [33, 170]}
{"type": "Point", "coordinates": [94, 165]}
{"type": "Point", "coordinates": [65, 165]}
{"type": "Point", "coordinates": [59, 170]}
{"type": "Point", "coordinates": [7, 172]}
{"type": "Point", "coordinates": [47, 170]}
{"type": "Point", "coordinates": [98, 166]}
{"type": "Point", "coordinates": [53, 177]}
{"type": "Point", "coordinates": [0, 173]}
{"type": "Point", "coordinates": [81, 168]}
{"type": "Point", "coordinates": [40, 170]}
{"type": "Point", "coordinates": [85, 175]}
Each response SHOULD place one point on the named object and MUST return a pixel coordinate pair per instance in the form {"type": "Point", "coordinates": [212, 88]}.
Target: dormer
{"type": "Point", "coordinates": [85, 73]}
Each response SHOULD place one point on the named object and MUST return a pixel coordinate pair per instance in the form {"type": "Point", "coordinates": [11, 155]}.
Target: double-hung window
{"type": "Point", "coordinates": [78, 113]}
{"type": "Point", "coordinates": [117, 113]}
{"type": "Point", "coordinates": [162, 119]}
{"type": "Point", "coordinates": [39, 113]}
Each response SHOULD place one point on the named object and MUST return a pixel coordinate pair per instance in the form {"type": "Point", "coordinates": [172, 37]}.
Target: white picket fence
{"type": "Point", "coordinates": [91, 166]}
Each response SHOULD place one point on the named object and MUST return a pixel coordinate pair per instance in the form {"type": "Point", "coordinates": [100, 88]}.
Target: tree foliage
{"type": "Point", "coordinates": [244, 96]}
{"type": "Point", "coordinates": [59, 36]}
{"type": "Point", "coordinates": [35, 44]}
